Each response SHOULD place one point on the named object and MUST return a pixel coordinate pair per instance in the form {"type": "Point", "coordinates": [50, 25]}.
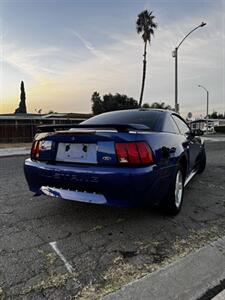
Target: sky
{"type": "Point", "coordinates": [65, 50]}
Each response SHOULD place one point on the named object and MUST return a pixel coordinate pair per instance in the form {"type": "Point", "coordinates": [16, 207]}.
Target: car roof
{"type": "Point", "coordinates": [156, 109]}
{"type": "Point", "coordinates": [142, 110]}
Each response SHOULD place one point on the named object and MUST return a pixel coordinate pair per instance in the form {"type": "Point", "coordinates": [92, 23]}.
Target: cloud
{"type": "Point", "coordinates": [96, 52]}
{"type": "Point", "coordinates": [36, 62]}
{"type": "Point", "coordinates": [68, 75]}
{"type": "Point", "coordinates": [29, 60]}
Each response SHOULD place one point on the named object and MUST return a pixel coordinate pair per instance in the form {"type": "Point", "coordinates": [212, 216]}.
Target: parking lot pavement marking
{"type": "Point", "coordinates": [66, 263]}
{"type": "Point", "coordinates": [58, 252]}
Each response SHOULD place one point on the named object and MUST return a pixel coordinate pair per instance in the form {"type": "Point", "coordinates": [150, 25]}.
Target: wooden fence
{"type": "Point", "coordinates": [23, 130]}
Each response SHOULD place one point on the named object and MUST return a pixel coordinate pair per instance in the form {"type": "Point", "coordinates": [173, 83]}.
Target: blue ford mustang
{"type": "Point", "coordinates": [125, 158]}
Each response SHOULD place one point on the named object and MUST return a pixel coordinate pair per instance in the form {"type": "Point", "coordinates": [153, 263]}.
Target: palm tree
{"type": "Point", "coordinates": [145, 26]}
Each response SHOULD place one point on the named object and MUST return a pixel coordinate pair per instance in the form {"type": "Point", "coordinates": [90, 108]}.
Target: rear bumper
{"type": "Point", "coordinates": [100, 185]}
{"type": "Point", "coordinates": [73, 195]}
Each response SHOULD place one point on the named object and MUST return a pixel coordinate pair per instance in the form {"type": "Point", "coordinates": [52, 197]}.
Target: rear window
{"type": "Point", "coordinates": [148, 118]}
{"type": "Point", "coordinates": [170, 125]}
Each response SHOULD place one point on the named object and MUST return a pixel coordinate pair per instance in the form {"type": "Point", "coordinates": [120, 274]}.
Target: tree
{"type": "Point", "coordinates": [215, 115]}
{"type": "Point", "coordinates": [161, 105]}
{"type": "Point", "coordinates": [146, 105]}
{"type": "Point", "coordinates": [112, 102]}
{"type": "Point", "coordinates": [145, 26]}
{"type": "Point", "coordinates": [97, 105]}
{"type": "Point", "coordinates": [22, 109]}
{"type": "Point", "coordinates": [158, 105]}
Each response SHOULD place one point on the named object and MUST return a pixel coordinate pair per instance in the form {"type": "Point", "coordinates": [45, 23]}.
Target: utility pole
{"type": "Point", "coordinates": [207, 106]}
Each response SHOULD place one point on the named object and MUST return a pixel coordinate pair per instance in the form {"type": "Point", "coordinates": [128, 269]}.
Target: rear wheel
{"type": "Point", "coordinates": [202, 161]}
{"type": "Point", "coordinates": [174, 201]}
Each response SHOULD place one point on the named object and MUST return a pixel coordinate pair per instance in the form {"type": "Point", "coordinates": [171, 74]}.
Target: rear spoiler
{"type": "Point", "coordinates": [118, 127]}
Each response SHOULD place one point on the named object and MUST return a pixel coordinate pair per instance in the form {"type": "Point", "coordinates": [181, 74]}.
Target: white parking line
{"type": "Point", "coordinates": [66, 263]}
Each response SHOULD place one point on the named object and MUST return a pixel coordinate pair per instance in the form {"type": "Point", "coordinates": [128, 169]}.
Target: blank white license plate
{"type": "Point", "coordinates": [82, 153]}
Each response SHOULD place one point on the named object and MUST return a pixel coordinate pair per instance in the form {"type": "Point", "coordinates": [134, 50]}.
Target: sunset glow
{"type": "Point", "coordinates": [66, 50]}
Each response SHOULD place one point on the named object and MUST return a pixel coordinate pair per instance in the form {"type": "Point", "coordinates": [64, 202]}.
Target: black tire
{"type": "Point", "coordinates": [171, 205]}
{"type": "Point", "coordinates": [202, 162]}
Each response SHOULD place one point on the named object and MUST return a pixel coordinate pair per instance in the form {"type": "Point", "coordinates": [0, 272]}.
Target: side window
{"type": "Point", "coordinates": [181, 125]}
{"type": "Point", "coordinates": [169, 125]}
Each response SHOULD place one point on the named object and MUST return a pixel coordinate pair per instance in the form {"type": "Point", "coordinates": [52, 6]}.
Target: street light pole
{"type": "Point", "coordinates": [175, 55]}
{"type": "Point", "coordinates": [176, 80]}
{"type": "Point", "coordinates": [207, 104]}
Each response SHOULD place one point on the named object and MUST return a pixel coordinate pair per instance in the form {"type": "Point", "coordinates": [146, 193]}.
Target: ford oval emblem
{"type": "Point", "coordinates": [107, 158]}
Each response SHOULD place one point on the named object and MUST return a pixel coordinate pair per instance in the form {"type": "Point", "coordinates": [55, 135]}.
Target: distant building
{"type": "Point", "coordinates": [202, 124]}
{"type": "Point", "coordinates": [22, 127]}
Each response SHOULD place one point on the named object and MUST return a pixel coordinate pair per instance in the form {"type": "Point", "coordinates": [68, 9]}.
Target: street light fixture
{"type": "Point", "coordinates": [175, 54]}
{"type": "Point", "coordinates": [207, 104]}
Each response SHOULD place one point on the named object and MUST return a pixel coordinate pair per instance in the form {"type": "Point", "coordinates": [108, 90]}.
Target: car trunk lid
{"type": "Point", "coordinates": [85, 145]}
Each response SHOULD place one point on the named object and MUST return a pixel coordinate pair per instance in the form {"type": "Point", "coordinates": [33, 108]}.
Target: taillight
{"type": "Point", "coordinates": [145, 153]}
{"type": "Point", "coordinates": [40, 147]}
{"type": "Point", "coordinates": [134, 153]}
{"type": "Point", "coordinates": [121, 151]}
{"type": "Point", "coordinates": [35, 150]}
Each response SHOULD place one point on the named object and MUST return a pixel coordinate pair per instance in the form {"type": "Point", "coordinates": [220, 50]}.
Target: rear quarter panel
{"type": "Point", "coordinates": [168, 148]}
{"type": "Point", "coordinates": [161, 142]}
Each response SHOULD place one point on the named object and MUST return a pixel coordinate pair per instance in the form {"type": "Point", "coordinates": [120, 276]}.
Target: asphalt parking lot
{"type": "Point", "coordinates": [57, 249]}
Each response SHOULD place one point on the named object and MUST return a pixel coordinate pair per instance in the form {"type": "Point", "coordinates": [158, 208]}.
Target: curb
{"type": "Point", "coordinates": [187, 279]}
{"type": "Point", "coordinates": [220, 296]}
{"type": "Point", "coordinates": [6, 152]}
{"type": "Point", "coordinates": [214, 139]}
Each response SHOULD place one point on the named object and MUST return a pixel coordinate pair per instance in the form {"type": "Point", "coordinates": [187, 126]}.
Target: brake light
{"type": "Point", "coordinates": [134, 153]}
{"type": "Point", "coordinates": [145, 153]}
{"type": "Point", "coordinates": [121, 151]}
{"type": "Point", "coordinates": [41, 150]}
{"type": "Point", "coordinates": [35, 150]}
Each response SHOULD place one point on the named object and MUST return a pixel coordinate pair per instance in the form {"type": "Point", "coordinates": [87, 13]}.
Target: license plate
{"type": "Point", "coordinates": [81, 153]}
